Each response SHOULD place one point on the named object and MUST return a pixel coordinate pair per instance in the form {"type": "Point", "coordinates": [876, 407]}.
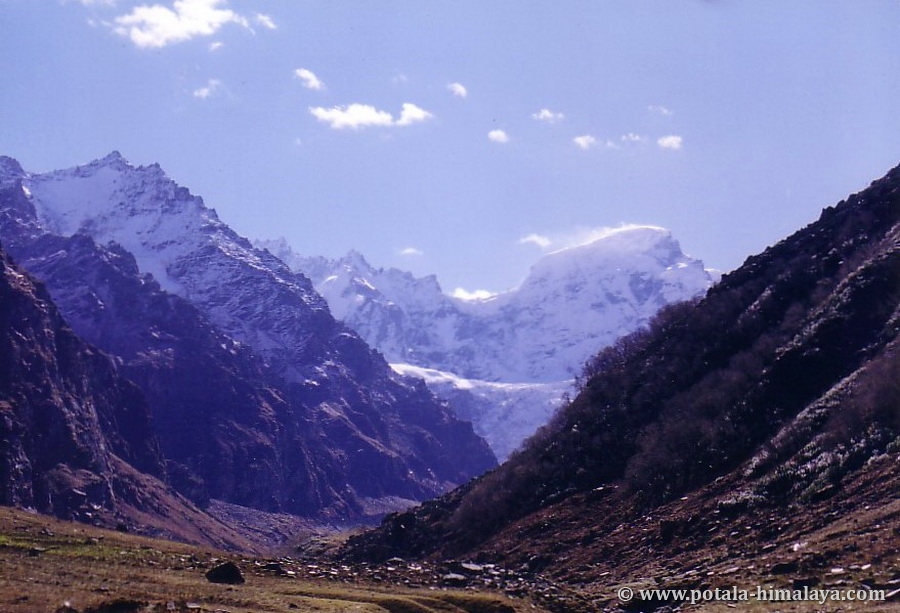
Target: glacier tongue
{"type": "Point", "coordinates": [504, 414]}
{"type": "Point", "coordinates": [573, 303]}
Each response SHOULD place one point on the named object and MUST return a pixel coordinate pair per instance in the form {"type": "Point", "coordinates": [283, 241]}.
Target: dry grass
{"type": "Point", "coordinates": [45, 563]}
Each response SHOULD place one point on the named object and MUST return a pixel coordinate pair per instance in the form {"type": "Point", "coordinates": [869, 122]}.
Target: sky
{"type": "Point", "coordinates": [467, 138]}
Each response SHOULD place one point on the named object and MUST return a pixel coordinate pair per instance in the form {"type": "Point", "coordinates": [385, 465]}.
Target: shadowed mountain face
{"type": "Point", "coordinates": [258, 396]}
{"type": "Point", "coordinates": [64, 409]}
{"type": "Point", "coordinates": [775, 394]}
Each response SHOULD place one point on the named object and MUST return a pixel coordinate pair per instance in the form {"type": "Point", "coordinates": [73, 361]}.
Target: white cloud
{"type": "Point", "coordinates": [411, 251]}
{"type": "Point", "coordinates": [669, 142]}
{"type": "Point", "coordinates": [659, 109]}
{"type": "Point", "coordinates": [576, 238]}
{"type": "Point", "coordinates": [216, 45]}
{"type": "Point", "coordinates": [352, 116]}
{"type": "Point", "coordinates": [478, 294]}
{"type": "Point", "coordinates": [153, 26]}
{"type": "Point", "coordinates": [458, 89]}
{"type": "Point", "coordinates": [585, 141]}
{"type": "Point", "coordinates": [310, 80]}
{"type": "Point", "coordinates": [411, 114]}
{"type": "Point", "coordinates": [265, 21]}
{"type": "Point", "coordinates": [212, 87]}
{"type": "Point", "coordinates": [536, 239]}
{"type": "Point", "coordinates": [584, 236]}
{"type": "Point", "coordinates": [548, 116]}
{"type": "Point", "coordinates": [98, 2]}
{"type": "Point", "coordinates": [363, 115]}
{"type": "Point", "coordinates": [631, 137]}
{"type": "Point", "coordinates": [498, 136]}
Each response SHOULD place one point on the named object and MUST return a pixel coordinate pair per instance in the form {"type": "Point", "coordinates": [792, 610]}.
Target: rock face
{"type": "Point", "coordinates": [64, 409]}
{"type": "Point", "coordinates": [768, 408]}
{"type": "Point", "coordinates": [259, 396]}
{"type": "Point", "coordinates": [506, 361]}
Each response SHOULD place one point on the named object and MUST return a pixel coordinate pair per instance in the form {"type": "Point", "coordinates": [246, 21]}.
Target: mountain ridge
{"type": "Point", "coordinates": [198, 298]}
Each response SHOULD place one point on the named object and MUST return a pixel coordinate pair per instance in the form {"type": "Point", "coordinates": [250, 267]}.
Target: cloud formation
{"type": "Point", "coordinates": [585, 141]}
{"type": "Point", "coordinates": [410, 114]}
{"type": "Point", "coordinates": [498, 136]}
{"type": "Point", "coordinates": [577, 237]}
{"type": "Point", "coordinates": [536, 239]}
{"type": "Point", "coordinates": [355, 116]}
{"type": "Point", "coordinates": [411, 251]}
{"type": "Point", "coordinates": [154, 26]}
{"type": "Point", "coordinates": [310, 80]}
{"type": "Point", "coordinates": [631, 137]}
{"type": "Point", "coordinates": [655, 108]}
{"type": "Point", "coordinates": [547, 116]}
{"type": "Point", "coordinates": [265, 21]}
{"type": "Point", "coordinates": [212, 87]}
{"type": "Point", "coordinates": [458, 89]}
{"type": "Point", "coordinates": [669, 142]}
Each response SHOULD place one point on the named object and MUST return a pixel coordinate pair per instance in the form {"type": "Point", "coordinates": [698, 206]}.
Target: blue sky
{"type": "Point", "coordinates": [467, 138]}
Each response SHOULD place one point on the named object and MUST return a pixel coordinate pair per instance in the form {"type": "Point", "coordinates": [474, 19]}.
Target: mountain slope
{"type": "Point", "coordinates": [75, 436]}
{"type": "Point", "coordinates": [774, 396]}
{"type": "Point", "coordinates": [261, 397]}
{"type": "Point", "coordinates": [65, 409]}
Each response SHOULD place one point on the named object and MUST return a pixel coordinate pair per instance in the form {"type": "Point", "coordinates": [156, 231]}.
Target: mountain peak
{"type": "Point", "coordinates": [113, 160]}
{"type": "Point", "coordinates": [355, 260]}
{"type": "Point", "coordinates": [643, 250]}
{"type": "Point", "coordinates": [113, 156]}
{"type": "Point", "coordinates": [627, 239]}
{"type": "Point", "coordinates": [10, 170]}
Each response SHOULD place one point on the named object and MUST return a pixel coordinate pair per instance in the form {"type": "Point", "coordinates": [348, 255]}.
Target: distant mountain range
{"type": "Point", "coordinates": [506, 361]}
{"type": "Point", "coordinates": [750, 436]}
{"type": "Point", "coordinates": [256, 394]}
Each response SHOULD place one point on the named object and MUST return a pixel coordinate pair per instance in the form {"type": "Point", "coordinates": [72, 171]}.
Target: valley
{"type": "Point", "coordinates": [163, 377]}
{"type": "Point", "coordinates": [53, 566]}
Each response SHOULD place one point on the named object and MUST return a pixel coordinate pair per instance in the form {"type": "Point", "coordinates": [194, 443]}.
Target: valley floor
{"type": "Point", "coordinates": [835, 548]}
{"type": "Point", "coordinates": [52, 566]}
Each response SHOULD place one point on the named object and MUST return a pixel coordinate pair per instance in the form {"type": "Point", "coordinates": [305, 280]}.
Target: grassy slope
{"type": "Point", "coordinates": [45, 563]}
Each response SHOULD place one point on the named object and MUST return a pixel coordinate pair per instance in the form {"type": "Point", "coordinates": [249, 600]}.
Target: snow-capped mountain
{"type": "Point", "coordinates": [278, 404]}
{"type": "Point", "coordinates": [573, 303]}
